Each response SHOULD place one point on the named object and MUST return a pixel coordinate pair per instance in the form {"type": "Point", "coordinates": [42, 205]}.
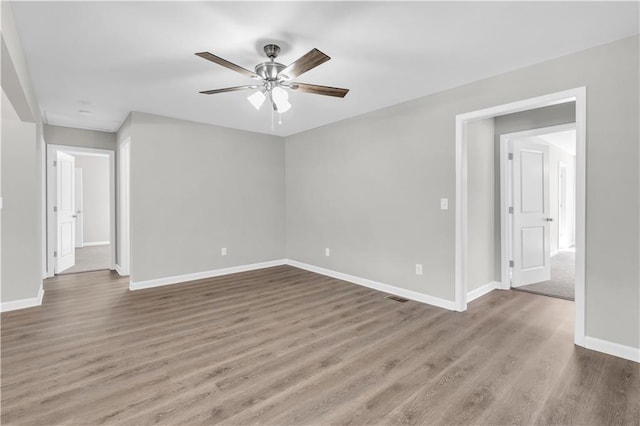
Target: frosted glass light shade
{"type": "Point", "coordinates": [281, 99]}
{"type": "Point", "coordinates": [257, 99]}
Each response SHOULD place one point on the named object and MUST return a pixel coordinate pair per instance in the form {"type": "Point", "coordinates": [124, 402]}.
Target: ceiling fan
{"type": "Point", "coordinates": [276, 78]}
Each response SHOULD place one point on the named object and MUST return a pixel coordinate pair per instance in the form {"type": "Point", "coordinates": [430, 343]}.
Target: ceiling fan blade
{"type": "Point", "coordinates": [227, 89]}
{"type": "Point", "coordinates": [308, 61]}
{"type": "Point", "coordinates": [320, 90]}
{"type": "Point", "coordinates": [218, 60]}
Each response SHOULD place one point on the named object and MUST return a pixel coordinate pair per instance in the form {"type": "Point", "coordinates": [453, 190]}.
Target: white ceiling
{"type": "Point", "coordinates": [93, 62]}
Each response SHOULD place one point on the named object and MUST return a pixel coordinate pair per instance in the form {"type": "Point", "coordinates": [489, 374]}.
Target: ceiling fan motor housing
{"type": "Point", "coordinates": [269, 70]}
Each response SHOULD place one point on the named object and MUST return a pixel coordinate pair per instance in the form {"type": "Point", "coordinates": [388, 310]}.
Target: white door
{"type": "Point", "coordinates": [66, 212]}
{"type": "Point", "coordinates": [531, 244]}
{"type": "Point", "coordinates": [79, 217]}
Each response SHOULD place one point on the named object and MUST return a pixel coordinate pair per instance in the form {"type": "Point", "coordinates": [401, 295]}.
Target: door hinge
{"type": "Point", "coordinates": [511, 210]}
{"type": "Point", "coordinates": [55, 253]}
{"type": "Point", "coordinates": [510, 156]}
{"type": "Point", "coordinates": [55, 209]}
{"type": "Point", "coordinates": [55, 163]}
{"type": "Point", "coordinates": [511, 264]}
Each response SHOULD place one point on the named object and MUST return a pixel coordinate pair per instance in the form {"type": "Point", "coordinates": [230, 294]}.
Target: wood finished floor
{"type": "Point", "coordinates": [283, 346]}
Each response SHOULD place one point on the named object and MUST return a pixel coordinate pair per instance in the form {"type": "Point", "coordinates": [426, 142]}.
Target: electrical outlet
{"type": "Point", "coordinates": [223, 251]}
{"type": "Point", "coordinates": [418, 269]}
{"type": "Point", "coordinates": [327, 252]}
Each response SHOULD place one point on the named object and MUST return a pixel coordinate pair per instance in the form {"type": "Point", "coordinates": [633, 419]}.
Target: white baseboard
{"type": "Point", "coordinates": [611, 348]}
{"type": "Point", "coordinates": [407, 294]}
{"type": "Point", "coordinates": [481, 291]}
{"type": "Point", "coordinates": [96, 243]}
{"type": "Point", "coordinates": [139, 285]}
{"type": "Point", "coordinates": [23, 303]}
{"type": "Point", "coordinates": [121, 271]}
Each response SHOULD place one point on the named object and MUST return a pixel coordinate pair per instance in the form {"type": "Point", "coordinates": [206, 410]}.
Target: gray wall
{"type": "Point", "coordinates": [21, 275]}
{"type": "Point", "coordinates": [554, 115]}
{"type": "Point", "coordinates": [196, 188]}
{"type": "Point", "coordinates": [95, 194]}
{"type": "Point", "coordinates": [480, 204]}
{"type": "Point", "coordinates": [369, 187]}
{"type": "Point", "coordinates": [22, 188]}
{"type": "Point", "coordinates": [58, 135]}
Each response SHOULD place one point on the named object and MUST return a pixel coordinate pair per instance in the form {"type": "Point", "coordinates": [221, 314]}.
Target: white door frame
{"type": "Point", "coordinates": [124, 230]}
{"type": "Point", "coordinates": [52, 193]}
{"type": "Point", "coordinates": [579, 95]}
{"type": "Point", "coordinates": [79, 209]}
{"type": "Point", "coordinates": [506, 193]}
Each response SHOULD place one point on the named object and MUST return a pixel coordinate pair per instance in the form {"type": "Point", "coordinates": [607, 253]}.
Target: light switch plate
{"type": "Point", "coordinates": [327, 252]}
{"type": "Point", "coordinates": [444, 204]}
{"type": "Point", "coordinates": [223, 251]}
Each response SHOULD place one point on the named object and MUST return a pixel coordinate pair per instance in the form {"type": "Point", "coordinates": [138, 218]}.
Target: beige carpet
{"type": "Point", "coordinates": [562, 282]}
{"type": "Point", "coordinates": [91, 258]}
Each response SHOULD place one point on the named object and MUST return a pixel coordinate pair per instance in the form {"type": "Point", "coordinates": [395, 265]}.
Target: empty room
{"type": "Point", "coordinates": [314, 213]}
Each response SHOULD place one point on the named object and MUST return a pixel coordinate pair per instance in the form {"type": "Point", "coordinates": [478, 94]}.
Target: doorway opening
{"type": "Point", "coordinates": [80, 209]}
{"type": "Point", "coordinates": [462, 295]}
{"type": "Point", "coordinates": [537, 178]}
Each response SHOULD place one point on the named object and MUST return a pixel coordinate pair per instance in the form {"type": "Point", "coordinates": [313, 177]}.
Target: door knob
{"type": "Point", "coordinates": [74, 216]}
{"type": "Point", "coordinates": [548, 219]}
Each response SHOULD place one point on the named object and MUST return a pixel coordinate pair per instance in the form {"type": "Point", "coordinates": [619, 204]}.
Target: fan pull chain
{"type": "Point", "coordinates": [272, 128]}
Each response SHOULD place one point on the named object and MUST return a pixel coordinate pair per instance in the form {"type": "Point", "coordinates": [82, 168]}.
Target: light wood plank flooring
{"type": "Point", "coordinates": [282, 346]}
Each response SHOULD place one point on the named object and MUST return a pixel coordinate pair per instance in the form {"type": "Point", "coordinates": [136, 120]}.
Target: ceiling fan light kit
{"type": "Point", "coordinates": [275, 78]}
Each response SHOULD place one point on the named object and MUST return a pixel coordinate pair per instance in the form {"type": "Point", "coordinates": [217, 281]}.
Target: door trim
{"type": "Point", "coordinates": [123, 267]}
{"type": "Point", "coordinates": [51, 232]}
{"type": "Point", "coordinates": [579, 95]}
{"type": "Point", "coordinates": [506, 193]}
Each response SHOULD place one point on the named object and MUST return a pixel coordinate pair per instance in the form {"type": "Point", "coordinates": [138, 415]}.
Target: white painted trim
{"type": "Point", "coordinates": [505, 217]}
{"type": "Point", "coordinates": [124, 224]}
{"type": "Point", "coordinates": [178, 279]}
{"type": "Point", "coordinates": [579, 95]}
{"type": "Point", "coordinates": [408, 294]}
{"type": "Point", "coordinates": [49, 202]}
{"type": "Point", "coordinates": [23, 303]}
{"type": "Point", "coordinates": [481, 291]}
{"type": "Point", "coordinates": [43, 207]}
{"type": "Point", "coordinates": [611, 348]}
{"type": "Point", "coordinates": [121, 271]}
{"type": "Point", "coordinates": [96, 243]}
{"type": "Point", "coordinates": [580, 210]}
